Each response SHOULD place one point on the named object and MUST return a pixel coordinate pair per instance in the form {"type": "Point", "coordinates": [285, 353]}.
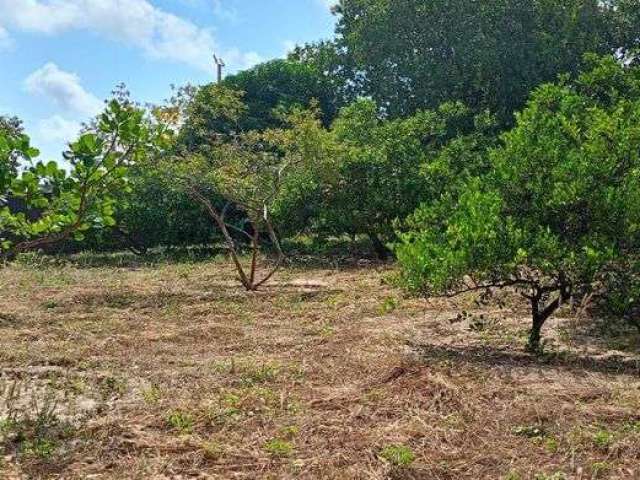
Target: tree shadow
{"type": "Point", "coordinates": [491, 357]}
{"type": "Point", "coordinates": [605, 334]}
{"type": "Point", "coordinates": [125, 259]}
{"type": "Point", "coordinates": [220, 292]}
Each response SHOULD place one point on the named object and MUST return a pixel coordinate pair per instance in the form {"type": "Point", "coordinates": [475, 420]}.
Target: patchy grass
{"type": "Point", "coordinates": [112, 367]}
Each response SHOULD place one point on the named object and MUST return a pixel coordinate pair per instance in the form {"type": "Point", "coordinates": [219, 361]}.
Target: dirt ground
{"type": "Point", "coordinates": [110, 369]}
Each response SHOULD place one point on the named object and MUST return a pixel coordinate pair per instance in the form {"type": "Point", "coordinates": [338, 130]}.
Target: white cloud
{"type": "Point", "coordinates": [64, 89]}
{"type": "Point", "coordinates": [241, 60]}
{"type": "Point", "coordinates": [222, 10]}
{"type": "Point", "coordinates": [158, 33]}
{"type": "Point", "coordinates": [58, 129]}
{"type": "Point", "coordinates": [33, 15]}
{"type": "Point", "coordinates": [5, 39]}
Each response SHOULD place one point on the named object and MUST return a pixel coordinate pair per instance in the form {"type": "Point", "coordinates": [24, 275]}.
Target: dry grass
{"type": "Point", "coordinates": [170, 371]}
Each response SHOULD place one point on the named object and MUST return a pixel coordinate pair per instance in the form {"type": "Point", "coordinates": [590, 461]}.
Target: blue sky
{"type": "Point", "coordinates": [60, 58]}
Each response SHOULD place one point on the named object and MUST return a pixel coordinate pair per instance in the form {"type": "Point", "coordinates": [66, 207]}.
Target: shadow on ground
{"type": "Point", "coordinates": [491, 357]}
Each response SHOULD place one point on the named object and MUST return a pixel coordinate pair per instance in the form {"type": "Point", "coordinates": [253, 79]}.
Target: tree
{"type": "Point", "coordinates": [11, 128]}
{"type": "Point", "coordinates": [378, 168]}
{"type": "Point", "coordinates": [340, 75]}
{"type": "Point", "coordinates": [278, 86]}
{"type": "Point", "coordinates": [559, 208]}
{"type": "Point", "coordinates": [58, 205]}
{"type": "Point", "coordinates": [267, 91]}
{"type": "Point", "coordinates": [413, 55]}
{"type": "Point", "coordinates": [249, 170]}
{"type": "Point", "coordinates": [152, 213]}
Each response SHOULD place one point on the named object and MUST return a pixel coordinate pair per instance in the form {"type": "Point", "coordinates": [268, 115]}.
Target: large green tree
{"type": "Point", "coordinates": [558, 209]}
{"type": "Point", "coordinates": [377, 168]}
{"type": "Point", "coordinates": [414, 54]}
{"type": "Point", "coordinates": [267, 91]}
{"type": "Point", "coordinates": [281, 85]}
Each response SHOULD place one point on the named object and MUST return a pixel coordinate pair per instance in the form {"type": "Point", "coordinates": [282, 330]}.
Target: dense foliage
{"type": "Point", "coordinates": [559, 207]}
{"type": "Point", "coordinates": [488, 54]}
{"type": "Point", "coordinates": [42, 203]}
{"type": "Point", "coordinates": [378, 174]}
{"type": "Point", "coordinates": [245, 171]}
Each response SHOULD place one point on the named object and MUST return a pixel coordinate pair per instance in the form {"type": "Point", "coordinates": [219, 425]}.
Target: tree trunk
{"type": "Point", "coordinates": [540, 316]}
{"type": "Point", "coordinates": [535, 335]}
{"type": "Point", "coordinates": [381, 250]}
{"type": "Point", "coordinates": [248, 281]}
{"type": "Point", "coordinates": [219, 220]}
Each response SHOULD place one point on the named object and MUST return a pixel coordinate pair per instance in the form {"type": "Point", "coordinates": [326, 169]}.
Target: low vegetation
{"type": "Point", "coordinates": [114, 366]}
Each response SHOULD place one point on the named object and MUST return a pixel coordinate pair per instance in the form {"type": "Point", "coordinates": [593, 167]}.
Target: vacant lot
{"type": "Point", "coordinates": [168, 370]}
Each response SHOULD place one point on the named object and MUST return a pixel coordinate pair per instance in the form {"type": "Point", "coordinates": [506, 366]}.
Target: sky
{"type": "Point", "coordinates": [59, 59]}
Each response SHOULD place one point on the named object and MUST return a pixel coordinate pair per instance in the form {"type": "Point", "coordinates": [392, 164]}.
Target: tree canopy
{"type": "Point", "coordinates": [558, 208]}
{"type": "Point", "coordinates": [490, 54]}
{"type": "Point", "coordinates": [56, 205]}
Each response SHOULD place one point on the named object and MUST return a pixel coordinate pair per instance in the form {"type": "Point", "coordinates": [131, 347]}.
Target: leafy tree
{"type": "Point", "coordinates": [265, 91]}
{"type": "Point", "coordinates": [559, 208]}
{"type": "Point", "coordinates": [11, 128]}
{"type": "Point", "coordinates": [280, 85]}
{"type": "Point", "coordinates": [340, 75]}
{"type": "Point", "coordinates": [151, 213]}
{"type": "Point", "coordinates": [413, 54]}
{"type": "Point", "coordinates": [58, 205]}
{"type": "Point", "coordinates": [378, 167]}
{"type": "Point", "coordinates": [249, 170]}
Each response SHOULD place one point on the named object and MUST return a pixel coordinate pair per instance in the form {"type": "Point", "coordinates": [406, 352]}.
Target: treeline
{"type": "Point", "coordinates": [485, 144]}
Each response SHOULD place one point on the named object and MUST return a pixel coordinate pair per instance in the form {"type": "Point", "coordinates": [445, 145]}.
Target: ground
{"type": "Point", "coordinates": [111, 368]}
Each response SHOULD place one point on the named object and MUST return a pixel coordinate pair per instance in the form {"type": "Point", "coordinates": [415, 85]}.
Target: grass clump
{"type": "Point", "coordinates": [603, 438]}
{"type": "Point", "coordinates": [30, 427]}
{"type": "Point", "coordinates": [388, 305]}
{"type": "Point", "coordinates": [181, 421]}
{"type": "Point", "coordinates": [278, 448]}
{"type": "Point", "coordinates": [152, 395]}
{"type": "Point", "coordinates": [398, 455]}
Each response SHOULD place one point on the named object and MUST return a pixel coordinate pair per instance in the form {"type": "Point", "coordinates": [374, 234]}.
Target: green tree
{"type": "Point", "coordinates": [413, 54]}
{"type": "Point", "coordinates": [11, 125]}
{"type": "Point", "coordinates": [559, 208]}
{"type": "Point", "coordinates": [266, 92]}
{"type": "Point", "coordinates": [249, 170]}
{"type": "Point", "coordinates": [378, 167]}
{"type": "Point", "coordinates": [339, 73]}
{"type": "Point", "coordinates": [11, 128]}
{"type": "Point", "coordinates": [152, 213]}
{"type": "Point", "coordinates": [278, 86]}
{"type": "Point", "coordinates": [57, 205]}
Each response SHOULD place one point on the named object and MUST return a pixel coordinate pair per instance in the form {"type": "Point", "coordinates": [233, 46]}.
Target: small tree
{"type": "Point", "coordinates": [559, 208]}
{"type": "Point", "coordinates": [250, 171]}
{"type": "Point", "coordinates": [56, 205]}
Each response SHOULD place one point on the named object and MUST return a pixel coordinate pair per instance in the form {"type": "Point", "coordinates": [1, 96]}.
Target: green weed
{"type": "Point", "coordinates": [399, 455]}
{"type": "Point", "coordinates": [279, 448]}
{"type": "Point", "coordinates": [181, 421]}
